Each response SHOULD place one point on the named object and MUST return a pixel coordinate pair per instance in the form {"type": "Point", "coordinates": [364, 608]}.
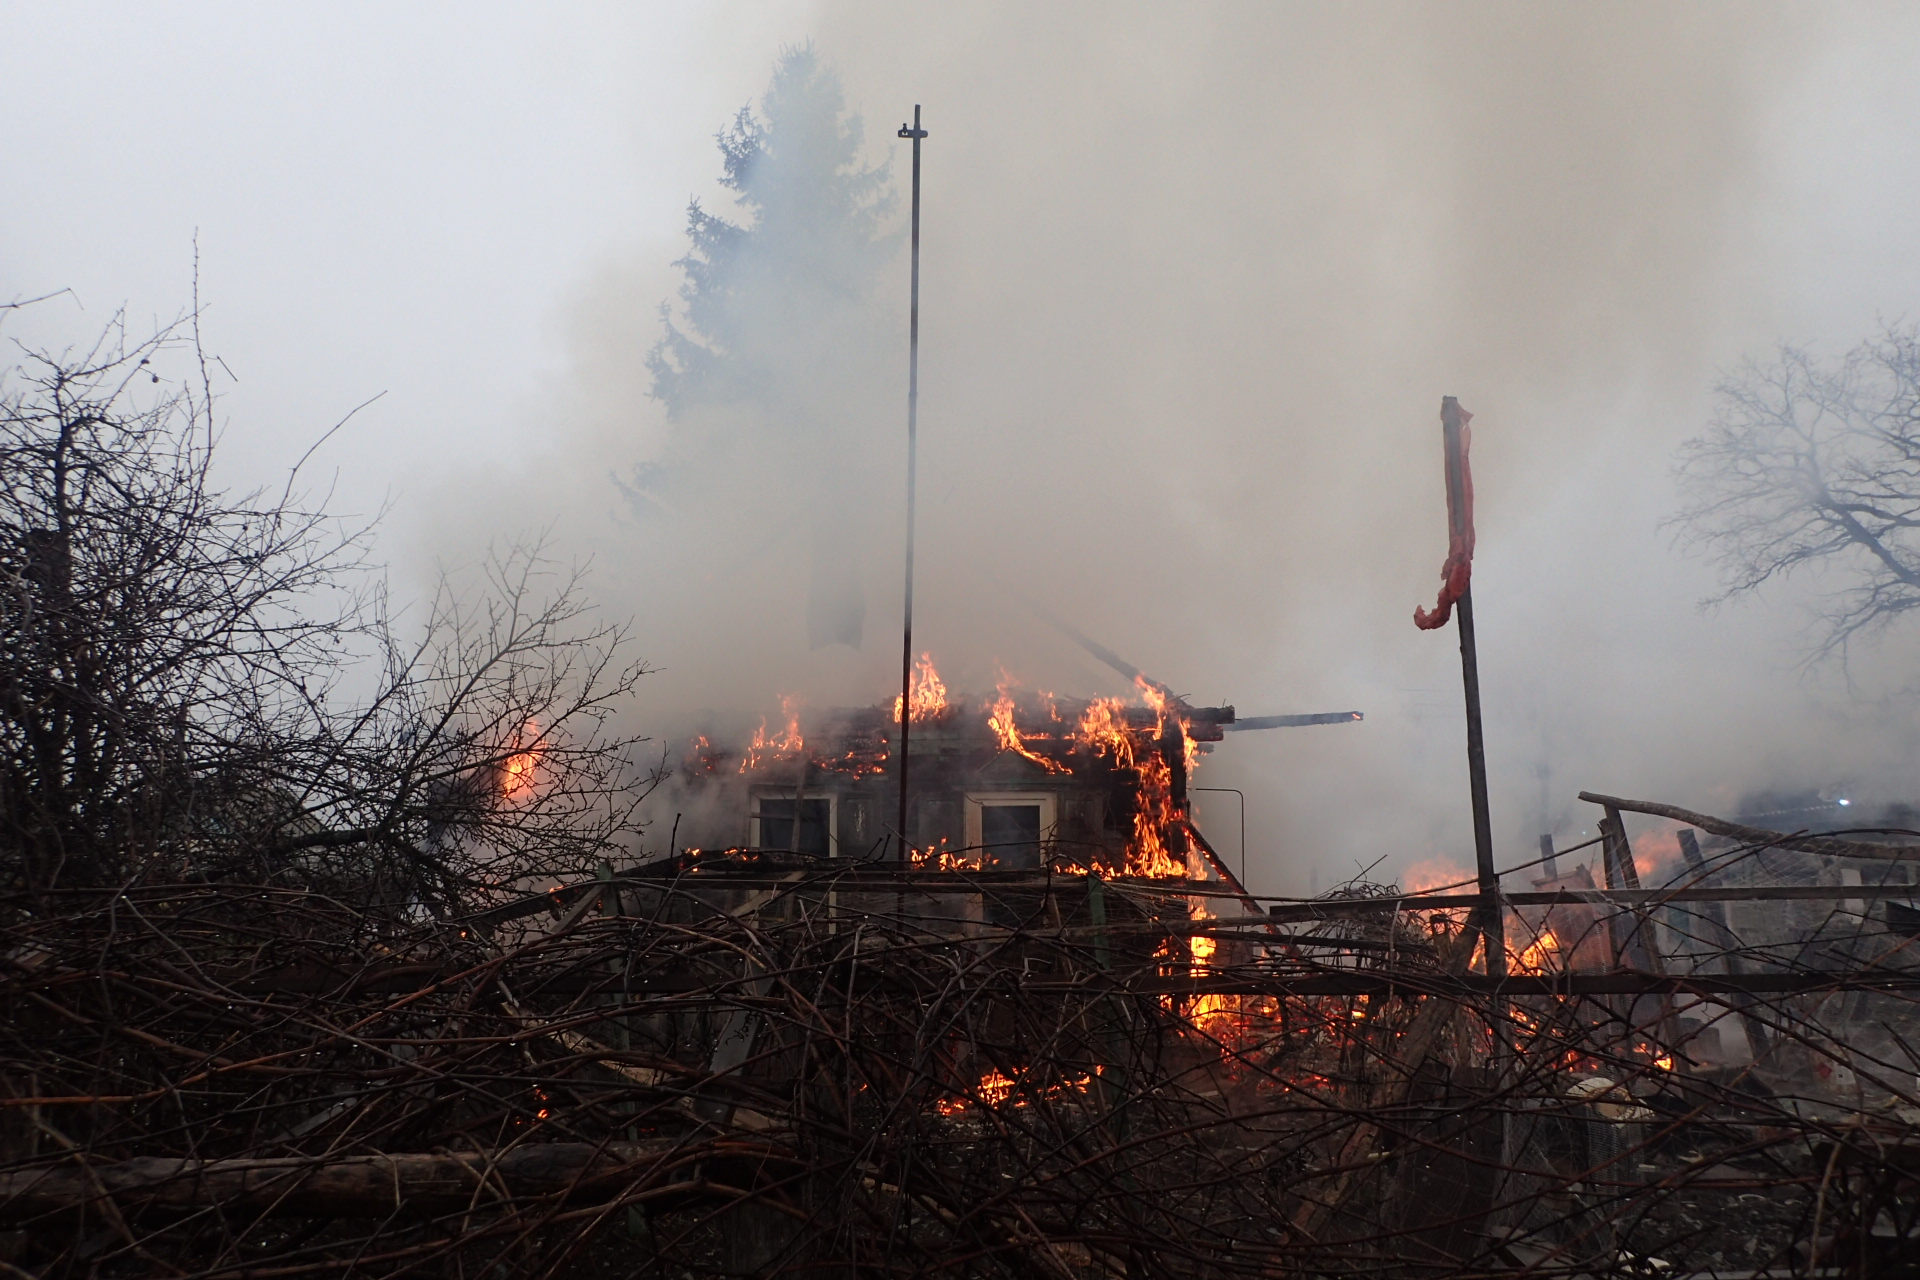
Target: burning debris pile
{"type": "Point", "coordinates": [753, 1062]}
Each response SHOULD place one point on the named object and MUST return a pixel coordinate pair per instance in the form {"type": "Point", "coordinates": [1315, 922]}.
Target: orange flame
{"type": "Point", "coordinates": [517, 770]}
{"type": "Point", "coordinates": [1103, 730]}
{"type": "Point", "coordinates": [1147, 852]}
{"type": "Point", "coordinates": [1437, 873]}
{"type": "Point", "coordinates": [702, 757]}
{"type": "Point", "coordinates": [1153, 696]}
{"type": "Point", "coordinates": [1000, 719]}
{"type": "Point", "coordinates": [785, 746]}
{"type": "Point", "coordinates": [1209, 1011]}
{"type": "Point", "coordinates": [929, 692]}
{"type": "Point", "coordinates": [937, 858]}
{"type": "Point", "coordinates": [1536, 957]}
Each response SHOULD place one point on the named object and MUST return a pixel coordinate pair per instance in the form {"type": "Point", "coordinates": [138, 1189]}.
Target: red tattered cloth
{"type": "Point", "coordinates": [1457, 572]}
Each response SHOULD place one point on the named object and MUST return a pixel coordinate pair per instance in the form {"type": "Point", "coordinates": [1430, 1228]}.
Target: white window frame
{"type": "Point", "coordinates": [977, 800]}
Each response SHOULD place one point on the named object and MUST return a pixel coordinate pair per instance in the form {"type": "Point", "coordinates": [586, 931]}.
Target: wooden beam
{"type": "Point", "coordinates": [1323, 908]}
{"type": "Point", "coordinates": [1830, 845]}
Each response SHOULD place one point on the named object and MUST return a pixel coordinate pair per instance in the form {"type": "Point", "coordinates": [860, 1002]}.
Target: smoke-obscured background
{"type": "Point", "coordinates": [1195, 279]}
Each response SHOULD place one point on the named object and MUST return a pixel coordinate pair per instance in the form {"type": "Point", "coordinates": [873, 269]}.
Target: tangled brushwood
{"type": "Point", "coordinates": [760, 1067]}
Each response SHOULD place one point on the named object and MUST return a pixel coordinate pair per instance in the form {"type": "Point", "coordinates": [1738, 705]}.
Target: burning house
{"type": "Point", "coordinates": [1016, 781]}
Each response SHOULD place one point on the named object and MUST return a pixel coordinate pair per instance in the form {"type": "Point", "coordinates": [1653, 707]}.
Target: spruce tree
{"type": "Point", "coordinates": [774, 364]}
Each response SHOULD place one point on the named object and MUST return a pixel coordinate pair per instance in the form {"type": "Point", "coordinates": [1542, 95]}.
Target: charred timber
{"type": "Point", "coordinates": [1472, 986]}
{"type": "Point", "coordinates": [1829, 845]}
{"type": "Point", "coordinates": [1319, 909]}
{"type": "Point", "coordinates": [1294, 722]}
{"type": "Point", "coordinates": [367, 1186]}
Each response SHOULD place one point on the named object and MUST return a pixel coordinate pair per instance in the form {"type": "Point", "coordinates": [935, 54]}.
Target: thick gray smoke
{"type": "Point", "coordinates": [1194, 283]}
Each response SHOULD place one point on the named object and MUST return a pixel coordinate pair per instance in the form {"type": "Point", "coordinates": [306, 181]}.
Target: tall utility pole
{"type": "Point", "coordinates": [916, 133]}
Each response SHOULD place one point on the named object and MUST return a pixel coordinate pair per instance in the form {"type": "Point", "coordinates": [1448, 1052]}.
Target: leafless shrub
{"type": "Point", "coordinates": [201, 685]}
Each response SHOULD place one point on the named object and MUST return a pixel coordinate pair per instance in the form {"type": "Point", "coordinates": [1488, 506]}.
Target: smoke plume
{"type": "Point", "coordinates": [1194, 283]}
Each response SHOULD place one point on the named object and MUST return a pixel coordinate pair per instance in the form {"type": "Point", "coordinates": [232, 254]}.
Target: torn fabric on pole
{"type": "Point", "coordinates": [1457, 572]}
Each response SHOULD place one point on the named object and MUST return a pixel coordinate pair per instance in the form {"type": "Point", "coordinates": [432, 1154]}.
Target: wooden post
{"type": "Point", "coordinates": [1716, 914]}
{"type": "Point", "coordinates": [1645, 937]}
{"type": "Point", "coordinates": [1490, 919]}
{"type": "Point", "coordinates": [1622, 851]}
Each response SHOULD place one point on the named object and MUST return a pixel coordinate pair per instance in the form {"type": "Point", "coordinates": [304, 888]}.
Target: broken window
{"type": "Point", "coordinates": [776, 826]}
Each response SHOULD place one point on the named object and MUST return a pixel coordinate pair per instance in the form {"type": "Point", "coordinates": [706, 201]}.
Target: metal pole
{"type": "Point", "coordinates": [913, 442]}
{"type": "Point", "coordinates": [1492, 925]}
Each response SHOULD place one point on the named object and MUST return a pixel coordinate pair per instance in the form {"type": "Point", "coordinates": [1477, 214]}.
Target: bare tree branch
{"type": "Point", "coordinates": [1815, 467]}
{"type": "Point", "coordinates": [199, 685]}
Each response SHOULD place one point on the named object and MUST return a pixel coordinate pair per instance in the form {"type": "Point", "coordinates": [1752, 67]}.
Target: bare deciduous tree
{"type": "Point", "coordinates": [196, 684]}
{"type": "Point", "coordinates": [1811, 466]}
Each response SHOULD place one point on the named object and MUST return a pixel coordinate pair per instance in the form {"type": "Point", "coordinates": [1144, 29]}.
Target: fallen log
{"type": "Point", "coordinates": [367, 1186]}
{"type": "Point", "coordinates": [1832, 846]}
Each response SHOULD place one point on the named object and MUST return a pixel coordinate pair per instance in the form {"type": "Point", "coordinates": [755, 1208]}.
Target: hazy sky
{"type": "Point", "coordinates": [1196, 278]}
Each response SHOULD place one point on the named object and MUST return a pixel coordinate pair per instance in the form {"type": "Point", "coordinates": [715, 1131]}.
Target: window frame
{"type": "Point", "coordinates": [758, 794]}
{"type": "Point", "coordinates": [976, 801]}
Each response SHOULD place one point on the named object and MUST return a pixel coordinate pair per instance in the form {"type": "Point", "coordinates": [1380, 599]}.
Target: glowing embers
{"type": "Point", "coordinates": [860, 759]}
{"type": "Point", "coordinates": [929, 692]}
{"type": "Point", "coordinates": [996, 1090]}
{"type": "Point", "coordinates": [702, 757]}
{"type": "Point", "coordinates": [1660, 1058]}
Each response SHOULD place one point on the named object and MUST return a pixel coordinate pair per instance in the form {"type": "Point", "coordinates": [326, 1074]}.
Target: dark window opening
{"type": "Point", "coordinates": [776, 826]}
{"type": "Point", "coordinates": [1011, 835]}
